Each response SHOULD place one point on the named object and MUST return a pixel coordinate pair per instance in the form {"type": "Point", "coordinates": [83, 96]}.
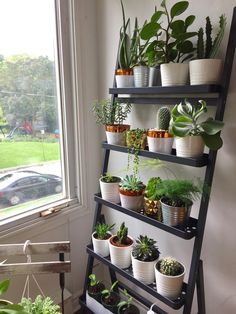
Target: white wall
{"type": "Point", "coordinates": [218, 248]}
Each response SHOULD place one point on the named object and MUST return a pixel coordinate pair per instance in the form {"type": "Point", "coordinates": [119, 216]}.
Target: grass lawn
{"type": "Point", "coordinates": [13, 154]}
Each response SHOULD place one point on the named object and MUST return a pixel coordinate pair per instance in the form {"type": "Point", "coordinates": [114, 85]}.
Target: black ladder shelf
{"type": "Point", "coordinates": [216, 96]}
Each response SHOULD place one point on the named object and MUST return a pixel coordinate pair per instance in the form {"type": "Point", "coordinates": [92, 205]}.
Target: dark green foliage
{"type": "Point", "coordinates": [108, 178]}
{"type": "Point", "coordinates": [208, 36]}
{"type": "Point", "coordinates": [102, 229]}
{"type": "Point", "coordinates": [107, 292]}
{"type": "Point", "coordinates": [132, 183]}
{"type": "Point", "coordinates": [170, 267]}
{"type": "Point", "coordinates": [200, 44]}
{"type": "Point", "coordinates": [107, 112]}
{"type": "Point", "coordinates": [122, 234]}
{"type": "Point", "coordinates": [163, 118]}
{"type": "Point", "coordinates": [152, 188]}
{"type": "Point", "coordinates": [145, 249]}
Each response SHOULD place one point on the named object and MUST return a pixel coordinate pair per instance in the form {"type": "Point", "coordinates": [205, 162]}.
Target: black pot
{"type": "Point", "coordinates": [111, 302]}
{"type": "Point", "coordinates": [95, 291]}
{"type": "Point", "coordinates": [132, 309]}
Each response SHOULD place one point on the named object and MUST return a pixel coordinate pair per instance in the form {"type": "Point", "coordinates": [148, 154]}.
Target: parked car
{"type": "Point", "coordinates": [19, 186]}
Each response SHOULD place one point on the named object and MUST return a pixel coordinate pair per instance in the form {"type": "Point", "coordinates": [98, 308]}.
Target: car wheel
{"type": "Point", "coordinates": [58, 188]}
{"type": "Point", "coordinates": [15, 199]}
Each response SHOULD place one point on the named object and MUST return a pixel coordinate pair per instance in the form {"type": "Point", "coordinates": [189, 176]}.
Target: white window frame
{"type": "Point", "coordinates": [72, 119]}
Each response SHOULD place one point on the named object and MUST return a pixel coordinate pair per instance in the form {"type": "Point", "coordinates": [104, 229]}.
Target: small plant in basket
{"type": "Point", "coordinates": [100, 238]}
{"type": "Point", "coordinates": [126, 306]}
{"type": "Point", "coordinates": [110, 298]}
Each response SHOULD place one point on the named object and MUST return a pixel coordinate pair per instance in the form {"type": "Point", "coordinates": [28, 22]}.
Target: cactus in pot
{"type": "Point", "coordinates": [163, 118]}
{"type": "Point", "coordinates": [170, 267]}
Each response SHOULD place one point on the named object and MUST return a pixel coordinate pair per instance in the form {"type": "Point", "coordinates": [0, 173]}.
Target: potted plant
{"type": "Point", "coordinates": [126, 306]}
{"type": "Point", "coordinates": [144, 256]}
{"type": "Point", "coordinates": [109, 186]}
{"type": "Point", "coordinates": [152, 205]}
{"type": "Point", "coordinates": [171, 43]}
{"type": "Point", "coordinates": [110, 298]}
{"type": "Point", "coordinates": [120, 246]}
{"type": "Point", "coordinates": [160, 139]}
{"type": "Point", "coordinates": [40, 305]}
{"type": "Point", "coordinates": [191, 134]}
{"type": "Point", "coordinates": [111, 115]}
{"type": "Point", "coordinates": [206, 69]}
{"type": "Point", "coordinates": [177, 200]}
{"type": "Point", "coordinates": [169, 275]}
{"type": "Point", "coordinates": [100, 238]}
{"type": "Point", "coordinates": [132, 192]}
{"type": "Point", "coordinates": [95, 287]}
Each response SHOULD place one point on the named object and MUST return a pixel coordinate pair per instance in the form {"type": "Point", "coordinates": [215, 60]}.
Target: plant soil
{"type": "Point", "coordinates": [114, 241]}
{"type": "Point", "coordinates": [97, 289]}
{"type": "Point", "coordinates": [107, 236]}
{"type": "Point", "coordinates": [111, 301]}
{"type": "Point", "coordinates": [132, 309]}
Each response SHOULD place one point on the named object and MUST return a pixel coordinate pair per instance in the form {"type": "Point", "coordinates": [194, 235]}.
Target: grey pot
{"type": "Point", "coordinates": [175, 216]}
{"type": "Point", "coordinates": [154, 76]}
{"type": "Point", "coordinates": [141, 73]}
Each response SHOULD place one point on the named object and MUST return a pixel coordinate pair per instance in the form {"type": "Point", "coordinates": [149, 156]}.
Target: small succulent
{"type": "Point", "coordinates": [122, 234]}
{"type": "Point", "coordinates": [132, 183]}
{"type": "Point", "coordinates": [108, 178]}
{"type": "Point", "coordinates": [163, 118]}
{"type": "Point", "coordinates": [102, 229]}
{"type": "Point", "coordinates": [107, 292]}
{"type": "Point", "coordinates": [170, 267]}
{"type": "Point", "coordinates": [93, 280]}
{"type": "Point", "coordinates": [145, 249]}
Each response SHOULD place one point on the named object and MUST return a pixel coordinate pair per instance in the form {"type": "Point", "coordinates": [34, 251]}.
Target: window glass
{"type": "Point", "coordinates": [30, 132]}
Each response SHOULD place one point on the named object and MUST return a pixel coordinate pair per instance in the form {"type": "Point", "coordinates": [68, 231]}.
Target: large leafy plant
{"type": "Point", "coordinates": [185, 122]}
{"type": "Point", "coordinates": [170, 42]}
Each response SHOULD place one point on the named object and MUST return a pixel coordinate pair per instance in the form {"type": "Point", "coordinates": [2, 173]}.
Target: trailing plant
{"type": "Point", "coordinates": [122, 234]}
{"type": "Point", "coordinates": [170, 43]}
{"type": "Point", "coordinates": [9, 308]}
{"type": "Point", "coordinates": [107, 292]}
{"type": "Point", "coordinates": [163, 118]}
{"type": "Point", "coordinates": [145, 249]}
{"type": "Point", "coordinates": [207, 47]}
{"type": "Point", "coordinates": [185, 122]}
{"type": "Point", "coordinates": [102, 230]}
{"type": "Point", "coordinates": [152, 188]}
{"type": "Point", "coordinates": [108, 112]}
{"type": "Point", "coordinates": [40, 305]}
{"type": "Point", "coordinates": [179, 193]}
{"type": "Point", "coordinates": [132, 183]}
{"type": "Point", "coordinates": [170, 267]}
{"type": "Point", "coordinates": [108, 178]}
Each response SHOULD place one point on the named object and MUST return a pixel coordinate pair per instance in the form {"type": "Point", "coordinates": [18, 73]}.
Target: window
{"type": "Point", "coordinates": [36, 116]}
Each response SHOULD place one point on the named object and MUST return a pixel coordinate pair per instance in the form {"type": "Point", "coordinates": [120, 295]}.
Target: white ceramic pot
{"type": "Point", "coordinates": [101, 247]}
{"type": "Point", "coordinates": [141, 73]}
{"type": "Point", "coordinates": [174, 74]}
{"type": "Point", "coordinates": [189, 146]}
{"type": "Point", "coordinates": [169, 286]}
{"type": "Point", "coordinates": [205, 71]}
{"type": "Point", "coordinates": [110, 191]}
{"type": "Point", "coordinates": [124, 81]}
{"type": "Point", "coordinates": [160, 145]}
{"type": "Point", "coordinates": [132, 202]}
{"type": "Point", "coordinates": [143, 271]}
{"type": "Point", "coordinates": [120, 255]}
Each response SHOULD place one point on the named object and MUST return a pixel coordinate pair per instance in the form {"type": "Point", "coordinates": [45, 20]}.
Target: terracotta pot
{"type": "Point", "coordinates": [116, 134]}
{"type": "Point", "coordinates": [131, 199]}
{"type": "Point", "coordinates": [120, 254]}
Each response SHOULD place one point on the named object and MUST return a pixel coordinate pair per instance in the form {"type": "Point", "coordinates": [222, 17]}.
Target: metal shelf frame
{"type": "Point", "coordinates": [217, 96]}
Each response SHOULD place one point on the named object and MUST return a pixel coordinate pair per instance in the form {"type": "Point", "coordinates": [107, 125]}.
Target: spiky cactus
{"type": "Point", "coordinates": [122, 234]}
{"type": "Point", "coordinates": [170, 267]}
{"type": "Point", "coordinates": [163, 118]}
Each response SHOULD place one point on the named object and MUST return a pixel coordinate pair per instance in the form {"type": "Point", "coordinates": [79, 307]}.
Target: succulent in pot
{"type": "Point", "coordinates": [191, 134]}
{"type": "Point", "coordinates": [100, 238]}
{"type": "Point", "coordinates": [120, 246]}
{"type": "Point", "coordinates": [144, 256]}
{"type": "Point", "coordinates": [206, 69]}
{"type": "Point", "coordinates": [152, 205]}
{"type": "Point", "coordinates": [171, 45]}
{"type": "Point", "coordinates": [177, 200]}
{"type": "Point", "coordinates": [95, 287]}
{"type": "Point", "coordinates": [126, 306]}
{"type": "Point", "coordinates": [132, 192]}
{"type": "Point", "coordinates": [109, 186]}
{"type": "Point", "coordinates": [169, 275]}
{"type": "Point", "coordinates": [160, 139]}
{"type": "Point", "coordinates": [110, 298]}
{"type": "Point", "coordinates": [112, 114]}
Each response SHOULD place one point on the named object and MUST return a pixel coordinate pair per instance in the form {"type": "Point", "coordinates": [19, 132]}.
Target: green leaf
{"type": "Point", "coordinates": [184, 36]}
{"type": "Point", "coordinates": [211, 126]}
{"type": "Point", "coordinates": [4, 286]}
{"type": "Point", "coordinates": [178, 8]}
{"type": "Point", "coordinates": [189, 20]}
{"type": "Point", "coordinates": [214, 142]}
{"type": "Point", "coordinates": [178, 26]}
{"type": "Point", "coordinates": [185, 47]}
{"type": "Point", "coordinates": [156, 16]}
{"type": "Point", "coordinates": [181, 129]}
{"type": "Point", "coordinates": [149, 30]}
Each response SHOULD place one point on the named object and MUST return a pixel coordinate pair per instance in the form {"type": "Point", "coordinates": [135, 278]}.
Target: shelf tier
{"type": "Point", "coordinates": [151, 289]}
{"type": "Point", "coordinates": [186, 232]}
{"type": "Point", "coordinates": [193, 162]}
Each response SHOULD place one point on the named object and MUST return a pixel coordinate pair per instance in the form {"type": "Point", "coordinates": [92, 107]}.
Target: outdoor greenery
{"type": "Point", "coordinates": [102, 230]}
{"type": "Point", "coordinates": [145, 249]}
{"type": "Point", "coordinates": [15, 154]}
{"type": "Point", "coordinates": [28, 91]}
